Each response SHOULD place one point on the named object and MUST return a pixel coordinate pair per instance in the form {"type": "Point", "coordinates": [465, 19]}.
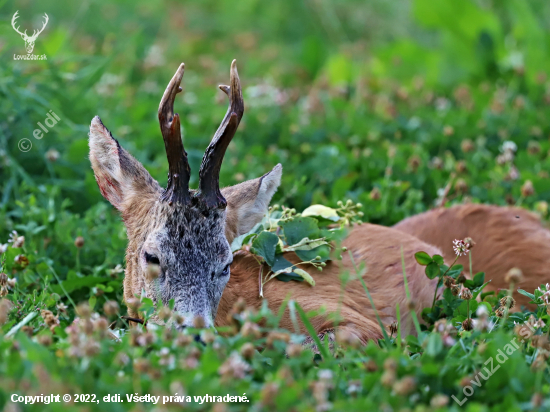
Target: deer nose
{"type": "Point", "coordinates": [196, 336]}
{"type": "Point", "coordinates": [199, 340]}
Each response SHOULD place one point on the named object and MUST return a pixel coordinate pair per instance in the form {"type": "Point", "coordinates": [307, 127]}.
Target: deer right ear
{"type": "Point", "coordinates": [119, 176]}
{"type": "Point", "coordinates": [248, 201]}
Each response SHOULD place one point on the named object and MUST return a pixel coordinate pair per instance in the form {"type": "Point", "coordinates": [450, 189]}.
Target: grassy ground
{"type": "Point", "coordinates": [382, 103]}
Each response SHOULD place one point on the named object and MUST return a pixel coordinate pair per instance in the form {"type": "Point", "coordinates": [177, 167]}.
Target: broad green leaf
{"type": "Point", "coordinates": [239, 241]}
{"type": "Point", "coordinates": [322, 251]}
{"type": "Point", "coordinates": [487, 306]}
{"type": "Point", "coordinates": [455, 271]}
{"type": "Point", "coordinates": [423, 258]}
{"type": "Point", "coordinates": [469, 284]}
{"type": "Point", "coordinates": [479, 278]}
{"type": "Point", "coordinates": [77, 283]}
{"type": "Point", "coordinates": [147, 307]}
{"type": "Point", "coordinates": [525, 293]}
{"type": "Point", "coordinates": [432, 270]}
{"type": "Point", "coordinates": [92, 301]}
{"type": "Point", "coordinates": [305, 227]}
{"type": "Point", "coordinates": [322, 211]}
{"type": "Point", "coordinates": [462, 310]}
{"type": "Point", "coordinates": [438, 259]}
{"type": "Point", "coordinates": [282, 263]}
{"type": "Point", "coordinates": [297, 229]}
{"type": "Point", "coordinates": [264, 245]}
{"type": "Point", "coordinates": [435, 345]}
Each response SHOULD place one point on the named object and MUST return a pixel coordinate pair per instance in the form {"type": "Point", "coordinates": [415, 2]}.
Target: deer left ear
{"type": "Point", "coordinates": [119, 176]}
{"type": "Point", "coordinates": [247, 202]}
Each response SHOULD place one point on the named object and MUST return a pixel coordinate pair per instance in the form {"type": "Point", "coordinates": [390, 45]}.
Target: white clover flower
{"type": "Point", "coordinates": [13, 236]}
{"type": "Point", "coordinates": [448, 340]}
{"type": "Point", "coordinates": [117, 269]}
{"type": "Point", "coordinates": [325, 374]}
{"type": "Point", "coordinates": [265, 95]}
{"type": "Point", "coordinates": [354, 387]}
{"type": "Point", "coordinates": [460, 247]}
{"type": "Point", "coordinates": [16, 240]}
{"type": "Point", "coordinates": [3, 248]}
{"type": "Point", "coordinates": [442, 104]}
{"type": "Point", "coordinates": [482, 311]}
{"type": "Point", "coordinates": [514, 173]}
{"type": "Point", "coordinates": [508, 146]}
{"type": "Point", "coordinates": [539, 324]}
{"type": "Point", "coordinates": [234, 367]}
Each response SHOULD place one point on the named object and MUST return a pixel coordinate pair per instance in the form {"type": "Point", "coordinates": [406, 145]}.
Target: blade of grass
{"type": "Point", "coordinates": [60, 284]}
{"type": "Point", "coordinates": [311, 330]}
{"type": "Point", "coordinates": [292, 309]}
{"type": "Point", "coordinates": [281, 311]}
{"type": "Point", "coordinates": [470, 259]}
{"type": "Point", "coordinates": [413, 313]}
{"type": "Point", "coordinates": [386, 337]}
{"type": "Point", "coordinates": [398, 315]}
{"type": "Point", "coordinates": [25, 320]}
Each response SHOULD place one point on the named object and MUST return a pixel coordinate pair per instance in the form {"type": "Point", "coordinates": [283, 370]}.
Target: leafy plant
{"type": "Point", "coordinates": [310, 235]}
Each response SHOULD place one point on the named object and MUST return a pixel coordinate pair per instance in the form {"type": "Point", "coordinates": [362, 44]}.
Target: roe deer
{"type": "Point", "coordinates": [187, 234]}
{"type": "Point", "coordinates": [505, 237]}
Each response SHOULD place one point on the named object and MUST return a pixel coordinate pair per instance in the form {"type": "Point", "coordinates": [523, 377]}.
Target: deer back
{"type": "Point", "coordinates": [505, 237]}
{"type": "Point", "coordinates": [376, 251]}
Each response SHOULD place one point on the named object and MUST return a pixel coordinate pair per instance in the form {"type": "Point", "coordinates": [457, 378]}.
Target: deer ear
{"type": "Point", "coordinates": [119, 176]}
{"type": "Point", "coordinates": [247, 202]}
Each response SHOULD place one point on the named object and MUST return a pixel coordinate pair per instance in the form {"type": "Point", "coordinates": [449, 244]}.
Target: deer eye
{"type": "Point", "coordinates": [151, 259]}
{"type": "Point", "coordinates": [225, 271]}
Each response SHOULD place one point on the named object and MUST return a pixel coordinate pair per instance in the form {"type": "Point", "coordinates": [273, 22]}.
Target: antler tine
{"type": "Point", "coordinates": [177, 189]}
{"type": "Point", "coordinates": [37, 32]}
{"type": "Point", "coordinates": [13, 20]}
{"type": "Point", "coordinates": [209, 174]}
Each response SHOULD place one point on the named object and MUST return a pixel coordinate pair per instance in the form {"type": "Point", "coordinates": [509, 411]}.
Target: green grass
{"type": "Point", "coordinates": [385, 103]}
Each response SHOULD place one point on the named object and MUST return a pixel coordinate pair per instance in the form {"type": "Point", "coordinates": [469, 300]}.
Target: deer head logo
{"type": "Point", "coordinates": [29, 40]}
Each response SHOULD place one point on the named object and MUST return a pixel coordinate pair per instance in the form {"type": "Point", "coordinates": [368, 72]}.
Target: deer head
{"type": "Point", "coordinates": [29, 40]}
{"type": "Point", "coordinates": [179, 238]}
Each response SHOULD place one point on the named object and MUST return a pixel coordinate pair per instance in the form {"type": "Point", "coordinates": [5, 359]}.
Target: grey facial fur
{"type": "Point", "coordinates": [194, 258]}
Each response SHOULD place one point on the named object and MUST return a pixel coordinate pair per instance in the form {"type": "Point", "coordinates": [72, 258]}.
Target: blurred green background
{"type": "Point", "coordinates": [382, 102]}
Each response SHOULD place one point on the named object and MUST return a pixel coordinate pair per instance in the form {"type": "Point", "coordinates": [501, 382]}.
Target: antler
{"type": "Point", "coordinates": [36, 33]}
{"type": "Point", "coordinates": [177, 189]}
{"type": "Point", "coordinates": [14, 18]}
{"type": "Point", "coordinates": [209, 174]}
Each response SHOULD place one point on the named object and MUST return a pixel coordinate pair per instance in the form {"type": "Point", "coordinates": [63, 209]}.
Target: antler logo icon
{"type": "Point", "coordinates": [29, 40]}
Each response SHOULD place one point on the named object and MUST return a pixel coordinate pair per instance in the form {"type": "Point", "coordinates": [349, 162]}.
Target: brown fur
{"type": "Point", "coordinates": [505, 237]}
{"type": "Point", "coordinates": [379, 248]}
{"type": "Point", "coordinates": [128, 186]}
